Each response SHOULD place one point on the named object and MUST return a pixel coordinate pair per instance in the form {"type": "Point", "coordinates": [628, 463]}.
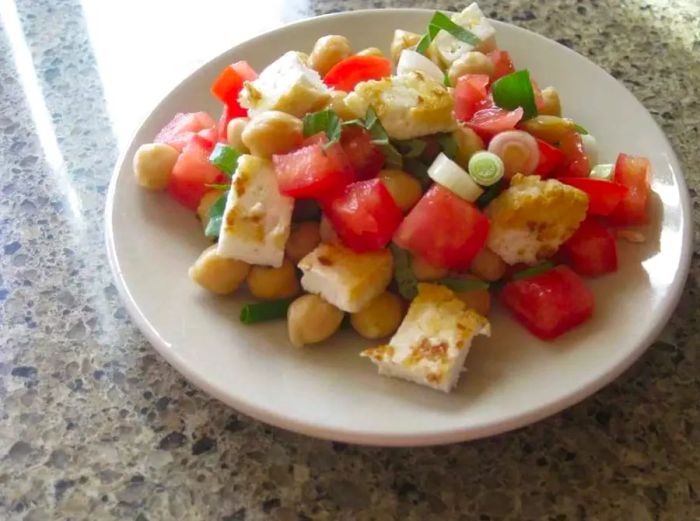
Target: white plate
{"type": "Point", "coordinates": [327, 391]}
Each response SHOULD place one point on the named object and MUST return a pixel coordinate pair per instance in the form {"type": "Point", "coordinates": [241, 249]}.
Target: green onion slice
{"type": "Point", "coordinates": [515, 90]}
{"type": "Point", "coordinates": [216, 216]}
{"type": "Point", "coordinates": [225, 158]}
{"type": "Point", "coordinates": [264, 311]}
{"type": "Point", "coordinates": [442, 22]}
{"type": "Point", "coordinates": [460, 284]}
{"type": "Point", "coordinates": [486, 168]}
{"type": "Point", "coordinates": [603, 172]}
{"type": "Point", "coordinates": [490, 194]}
{"type": "Point", "coordinates": [535, 270]}
{"type": "Point", "coordinates": [580, 129]}
{"type": "Point", "coordinates": [403, 274]}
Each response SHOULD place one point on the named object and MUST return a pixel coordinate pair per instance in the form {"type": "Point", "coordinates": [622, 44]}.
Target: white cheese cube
{"type": "Point", "coordinates": [433, 340]}
{"type": "Point", "coordinates": [471, 18]}
{"type": "Point", "coordinates": [257, 217]}
{"type": "Point", "coordinates": [346, 279]}
{"type": "Point", "coordinates": [287, 85]}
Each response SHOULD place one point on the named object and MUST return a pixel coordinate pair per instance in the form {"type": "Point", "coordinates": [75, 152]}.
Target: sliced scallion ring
{"type": "Point", "coordinates": [449, 174]}
{"type": "Point", "coordinates": [486, 168]}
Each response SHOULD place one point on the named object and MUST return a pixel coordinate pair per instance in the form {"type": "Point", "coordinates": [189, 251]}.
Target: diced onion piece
{"type": "Point", "coordinates": [603, 172]}
{"type": "Point", "coordinates": [518, 150]}
{"type": "Point", "coordinates": [486, 168]}
{"type": "Point", "coordinates": [449, 174]}
{"type": "Point", "coordinates": [590, 148]}
{"type": "Point", "coordinates": [413, 61]}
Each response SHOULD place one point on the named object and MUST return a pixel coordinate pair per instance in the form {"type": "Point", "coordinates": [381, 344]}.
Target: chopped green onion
{"type": "Point", "coordinates": [486, 168]}
{"type": "Point", "coordinates": [324, 121]}
{"type": "Point", "coordinates": [449, 174]}
{"type": "Point", "coordinates": [580, 129]}
{"type": "Point", "coordinates": [603, 172]}
{"type": "Point", "coordinates": [264, 311]}
{"type": "Point", "coordinates": [533, 271]}
{"type": "Point", "coordinates": [218, 186]}
{"type": "Point", "coordinates": [411, 148]}
{"type": "Point", "coordinates": [490, 194]}
{"type": "Point", "coordinates": [216, 216]}
{"type": "Point", "coordinates": [515, 90]}
{"type": "Point", "coordinates": [460, 284]}
{"type": "Point", "coordinates": [442, 22]}
{"type": "Point", "coordinates": [417, 170]}
{"type": "Point", "coordinates": [403, 274]}
{"type": "Point", "coordinates": [448, 145]}
{"type": "Point", "coordinates": [225, 158]}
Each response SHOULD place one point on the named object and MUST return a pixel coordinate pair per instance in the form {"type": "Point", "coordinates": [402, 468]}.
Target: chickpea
{"type": "Point", "coordinates": [477, 299]}
{"type": "Point", "coordinates": [205, 204]}
{"type": "Point", "coordinates": [468, 143]}
{"type": "Point", "coordinates": [310, 319]}
{"type": "Point", "coordinates": [425, 271]}
{"type": "Point", "coordinates": [404, 188]}
{"type": "Point", "coordinates": [550, 102]}
{"type": "Point", "coordinates": [402, 40]}
{"type": "Point", "coordinates": [234, 133]}
{"type": "Point", "coordinates": [269, 283]}
{"type": "Point", "coordinates": [337, 104]}
{"type": "Point", "coordinates": [272, 132]}
{"type": "Point", "coordinates": [371, 51]}
{"type": "Point", "coordinates": [153, 164]}
{"type": "Point", "coordinates": [328, 51]}
{"type": "Point", "coordinates": [380, 318]}
{"type": "Point", "coordinates": [549, 128]}
{"type": "Point", "coordinates": [305, 236]}
{"type": "Point", "coordinates": [218, 274]}
{"type": "Point", "coordinates": [471, 63]}
{"type": "Point", "coordinates": [488, 266]}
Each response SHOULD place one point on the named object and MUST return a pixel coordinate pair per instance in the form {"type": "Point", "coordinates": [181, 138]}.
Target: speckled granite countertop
{"type": "Point", "coordinates": [94, 425]}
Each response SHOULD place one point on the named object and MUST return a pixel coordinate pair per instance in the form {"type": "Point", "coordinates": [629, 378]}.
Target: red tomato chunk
{"type": "Point", "coordinates": [576, 163]}
{"type": "Point", "coordinates": [549, 304]}
{"type": "Point", "coordinates": [551, 158]}
{"type": "Point", "coordinates": [502, 63]}
{"type": "Point", "coordinates": [469, 93]}
{"type": "Point", "coordinates": [181, 128]}
{"type": "Point", "coordinates": [347, 73]}
{"type": "Point", "coordinates": [312, 171]}
{"type": "Point", "coordinates": [229, 84]}
{"type": "Point", "coordinates": [443, 229]}
{"type": "Point", "coordinates": [364, 215]}
{"type": "Point", "coordinates": [591, 250]}
{"type": "Point", "coordinates": [366, 159]}
{"type": "Point", "coordinates": [603, 196]}
{"type": "Point", "coordinates": [633, 172]}
{"type": "Point", "coordinates": [193, 172]}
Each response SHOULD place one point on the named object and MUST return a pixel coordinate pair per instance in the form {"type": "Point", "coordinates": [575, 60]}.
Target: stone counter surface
{"type": "Point", "coordinates": [95, 425]}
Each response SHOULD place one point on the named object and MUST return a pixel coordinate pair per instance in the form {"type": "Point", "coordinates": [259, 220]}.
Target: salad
{"type": "Point", "coordinates": [399, 195]}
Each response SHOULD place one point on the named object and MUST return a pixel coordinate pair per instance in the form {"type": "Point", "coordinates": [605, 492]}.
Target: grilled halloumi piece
{"type": "Point", "coordinates": [433, 340]}
{"type": "Point", "coordinates": [346, 279]}
{"type": "Point", "coordinates": [257, 217]}
{"type": "Point", "coordinates": [532, 218]}
{"type": "Point", "coordinates": [408, 106]}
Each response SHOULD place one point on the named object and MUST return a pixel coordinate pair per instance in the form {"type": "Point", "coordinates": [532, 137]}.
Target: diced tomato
{"type": "Point", "coordinates": [603, 195]}
{"type": "Point", "coordinates": [633, 172]}
{"type": "Point", "coordinates": [193, 171]}
{"type": "Point", "coordinates": [549, 304]}
{"type": "Point", "coordinates": [317, 139]}
{"type": "Point", "coordinates": [591, 250]}
{"type": "Point", "coordinates": [470, 91]}
{"type": "Point", "coordinates": [210, 134]}
{"type": "Point", "coordinates": [366, 159]}
{"type": "Point", "coordinates": [229, 84]}
{"type": "Point", "coordinates": [181, 128]}
{"type": "Point", "coordinates": [222, 125]}
{"type": "Point", "coordinates": [550, 158]}
{"type": "Point", "coordinates": [576, 163]}
{"type": "Point", "coordinates": [347, 73]}
{"type": "Point", "coordinates": [502, 63]}
{"type": "Point", "coordinates": [312, 172]}
{"type": "Point", "coordinates": [443, 229]}
{"type": "Point", "coordinates": [489, 122]}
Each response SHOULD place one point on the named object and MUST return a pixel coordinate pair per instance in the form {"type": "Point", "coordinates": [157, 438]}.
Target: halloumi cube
{"type": "Point", "coordinates": [287, 85]}
{"type": "Point", "coordinates": [408, 106]}
{"type": "Point", "coordinates": [448, 48]}
{"type": "Point", "coordinates": [346, 279]}
{"type": "Point", "coordinates": [257, 217]}
{"type": "Point", "coordinates": [433, 340]}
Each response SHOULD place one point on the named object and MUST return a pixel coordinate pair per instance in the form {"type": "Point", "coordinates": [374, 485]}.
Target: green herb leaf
{"type": "Point", "coordinates": [326, 121]}
{"type": "Point", "coordinates": [535, 270]}
{"type": "Point", "coordinates": [410, 147]}
{"type": "Point", "coordinates": [490, 194]}
{"type": "Point", "coordinates": [225, 158]}
{"type": "Point", "coordinates": [580, 129]}
{"type": "Point", "coordinates": [403, 274]}
{"type": "Point", "coordinates": [216, 216]}
{"type": "Point", "coordinates": [515, 90]}
{"type": "Point", "coordinates": [417, 170]}
{"type": "Point", "coordinates": [392, 157]}
{"type": "Point", "coordinates": [446, 80]}
{"type": "Point", "coordinates": [442, 22]}
{"type": "Point", "coordinates": [448, 145]}
{"type": "Point", "coordinates": [459, 284]}
{"type": "Point", "coordinates": [218, 186]}
{"type": "Point", "coordinates": [264, 311]}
